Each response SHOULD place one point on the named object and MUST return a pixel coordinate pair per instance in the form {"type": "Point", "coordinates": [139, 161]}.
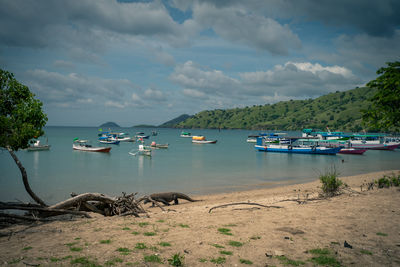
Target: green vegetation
{"type": "Point", "coordinates": [388, 181]}
{"type": "Point", "coordinates": [331, 184]}
{"type": "Point", "coordinates": [113, 261]}
{"type": "Point", "coordinates": [339, 111]}
{"type": "Point", "coordinates": [124, 250]}
{"type": "Point", "coordinates": [225, 231]}
{"type": "Point", "coordinates": [217, 246]}
{"type": "Point", "coordinates": [384, 113]}
{"type": "Point", "coordinates": [286, 261]}
{"type": "Point", "coordinates": [75, 249]}
{"type": "Point", "coordinates": [183, 225]}
{"type": "Point", "coordinates": [235, 243]}
{"type": "Point", "coordinates": [176, 260]}
{"type": "Point", "coordinates": [135, 233]}
{"type": "Point", "coordinates": [108, 241]}
{"type": "Point", "coordinates": [165, 244]}
{"type": "Point", "coordinates": [143, 224]}
{"type": "Point", "coordinates": [224, 252]}
{"type": "Point", "coordinates": [381, 234]}
{"type": "Point", "coordinates": [126, 228]}
{"type": "Point", "coordinates": [84, 261]}
{"type": "Point", "coordinates": [243, 261]}
{"type": "Point", "coordinates": [324, 257]}
{"type": "Point", "coordinates": [27, 248]}
{"type": "Point", "coordinates": [21, 120]}
{"type": "Point", "coordinates": [219, 260]}
{"type": "Point", "coordinates": [149, 234]}
{"type": "Point", "coordinates": [152, 258]}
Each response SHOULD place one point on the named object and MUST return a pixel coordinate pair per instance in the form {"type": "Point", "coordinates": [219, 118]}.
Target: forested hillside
{"type": "Point", "coordinates": [338, 111]}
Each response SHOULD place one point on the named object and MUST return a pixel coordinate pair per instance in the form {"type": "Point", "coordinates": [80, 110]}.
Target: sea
{"type": "Point", "coordinates": [230, 165]}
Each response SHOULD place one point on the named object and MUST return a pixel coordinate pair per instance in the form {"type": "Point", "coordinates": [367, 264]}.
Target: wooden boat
{"type": "Point", "coordinates": [352, 150]}
{"type": "Point", "coordinates": [141, 151]}
{"type": "Point", "coordinates": [83, 145]}
{"type": "Point", "coordinates": [293, 147]}
{"type": "Point", "coordinates": [142, 135]}
{"type": "Point", "coordinates": [155, 145]}
{"type": "Point", "coordinates": [37, 146]}
{"type": "Point", "coordinates": [202, 140]}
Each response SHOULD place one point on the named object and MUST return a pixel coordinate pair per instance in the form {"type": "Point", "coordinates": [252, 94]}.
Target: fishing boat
{"type": "Point", "coordinates": [83, 145]}
{"type": "Point", "coordinates": [122, 137]}
{"type": "Point", "coordinates": [252, 138]}
{"type": "Point", "coordinates": [352, 150]}
{"type": "Point", "coordinates": [109, 141]}
{"type": "Point", "coordinates": [186, 134]}
{"type": "Point", "coordinates": [37, 146]}
{"type": "Point", "coordinates": [142, 150]}
{"type": "Point", "coordinates": [155, 145]}
{"type": "Point", "coordinates": [295, 146]}
{"type": "Point", "coordinates": [202, 140]}
{"type": "Point", "coordinates": [142, 135]}
{"type": "Point", "coordinates": [372, 141]}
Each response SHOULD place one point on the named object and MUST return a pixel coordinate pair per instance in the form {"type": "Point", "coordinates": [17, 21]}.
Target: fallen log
{"type": "Point", "coordinates": [83, 198]}
{"type": "Point", "coordinates": [243, 203]}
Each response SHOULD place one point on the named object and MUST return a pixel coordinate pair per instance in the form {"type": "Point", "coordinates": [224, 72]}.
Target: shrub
{"type": "Point", "coordinates": [176, 260]}
{"type": "Point", "coordinates": [331, 184]}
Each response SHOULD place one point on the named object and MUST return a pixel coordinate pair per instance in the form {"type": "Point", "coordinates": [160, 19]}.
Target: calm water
{"type": "Point", "coordinates": [230, 165]}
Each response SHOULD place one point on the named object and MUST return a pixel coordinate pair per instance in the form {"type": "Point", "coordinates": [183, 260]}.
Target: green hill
{"type": "Point", "coordinates": [109, 124]}
{"type": "Point", "coordinates": [339, 111]}
{"type": "Point", "coordinates": [172, 123]}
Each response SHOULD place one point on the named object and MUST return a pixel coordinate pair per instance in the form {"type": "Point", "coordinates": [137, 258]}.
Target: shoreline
{"type": "Point", "coordinates": [231, 236]}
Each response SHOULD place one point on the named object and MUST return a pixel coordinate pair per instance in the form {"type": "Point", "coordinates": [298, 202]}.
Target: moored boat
{"type": "Point", "coordinates": [109, 141]}
{"type": "Point", "coordinates": [202, 140]}
{"type": "Point", "coordinates": [186, 134]}
{"type": "Point", "coordinates": [352, 150]}
{"type": "Point", "coordinates": [155, 145]}
{"type": "Point", "coordinates": [83, 145]}
{"type": "Point", "coordinates": [37, 146]}
{"type": "Point", "coordinates": [293, 147]}
{"type": "Point", "coordinates": [142, 150]}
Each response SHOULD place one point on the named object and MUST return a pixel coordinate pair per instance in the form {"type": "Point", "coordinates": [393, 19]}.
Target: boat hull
{"type": "Point", "coordinates": [38, 148]}
{"type": "Point", "coordinates": [204, 141]}
{"type": "Point", "coordinates": [91, 149]}
{"type": "Point", "coordinates": [298, 150]}
{"type": "Point", "coordinates": [354, 151]}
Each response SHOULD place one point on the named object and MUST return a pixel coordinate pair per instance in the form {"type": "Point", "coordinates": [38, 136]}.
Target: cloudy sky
{"type": "Point", "coordinates": [146, 62]}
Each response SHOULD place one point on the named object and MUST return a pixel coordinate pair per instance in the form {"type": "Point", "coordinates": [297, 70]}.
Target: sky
{"type": "Point", "coordinates": [147, 62]}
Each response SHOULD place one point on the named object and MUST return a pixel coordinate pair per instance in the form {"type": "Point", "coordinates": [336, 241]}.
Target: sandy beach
{"type": "Point", "coordinates": [356, 228]}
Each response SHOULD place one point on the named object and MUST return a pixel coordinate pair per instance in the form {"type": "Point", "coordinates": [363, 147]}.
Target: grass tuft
{"type": "Point", "coordinates": [152, 258]}
{"type": "Point", "coordinates": [243, 261]}
{"type": "Point", "coordinates": [140, 246]}
{"type": "Point", "coordinates": [224, 252]}
{"type": "Point", "coordinates": [108, 241]}
{"type": "Point", "coordinates": [235, 243]}
{"type": "Point", "coordinates": [219, 260]}
{"type": "Point", "coordinates": [176, 260]}
{"type": "Point", "coordinates": [225, 231]}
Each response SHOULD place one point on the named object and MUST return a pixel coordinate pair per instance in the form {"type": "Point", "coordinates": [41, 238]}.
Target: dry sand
{"type": "Point", "coordinates": [368, 221]}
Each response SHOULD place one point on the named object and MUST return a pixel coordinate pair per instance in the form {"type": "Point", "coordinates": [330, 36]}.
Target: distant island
{"type": "Point", "coordinates": [110, 124]}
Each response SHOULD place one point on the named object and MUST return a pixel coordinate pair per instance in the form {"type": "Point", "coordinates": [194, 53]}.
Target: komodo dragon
{"type": "Point", "coordinates": [168, 197]}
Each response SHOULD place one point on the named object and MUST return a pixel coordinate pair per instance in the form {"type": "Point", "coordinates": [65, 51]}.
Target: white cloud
{"type": "Point", "coordinates": [238, 24]}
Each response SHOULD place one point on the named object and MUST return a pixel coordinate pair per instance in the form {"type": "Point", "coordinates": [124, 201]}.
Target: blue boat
{"type": "Point", "coordinates": [294, 147]}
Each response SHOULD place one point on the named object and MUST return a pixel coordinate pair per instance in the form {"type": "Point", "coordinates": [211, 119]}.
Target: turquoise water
{"type": "Point", "coordinates": [231, 164]}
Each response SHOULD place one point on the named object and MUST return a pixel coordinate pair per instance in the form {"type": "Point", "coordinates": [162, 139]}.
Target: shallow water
{"type": "Point", "coordinates": [231, 164]}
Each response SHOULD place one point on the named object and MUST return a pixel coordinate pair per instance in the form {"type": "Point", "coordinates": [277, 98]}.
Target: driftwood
{"type": "Point", "coordinates": [243, 203]}
{"type": "Point", "coordinates": [78, 205]}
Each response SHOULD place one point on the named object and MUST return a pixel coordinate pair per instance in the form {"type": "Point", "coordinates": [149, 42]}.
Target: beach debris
{"type": "Point", "coordinates": [243, 203]}
{"type": "Point", "coordinates": [347, 245]}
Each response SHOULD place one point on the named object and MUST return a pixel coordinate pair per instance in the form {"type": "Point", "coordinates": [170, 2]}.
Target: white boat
{"type": "Point", "coordinates": [186, 134]}
{"type": "Point", "coordinates": [83, 145]}
{"type": "Point", "coordinates": [37, 146]}
{"type": "Point", "coordinates": [141, 151]}
{"type": "Point", "coordinates": [202, 140]}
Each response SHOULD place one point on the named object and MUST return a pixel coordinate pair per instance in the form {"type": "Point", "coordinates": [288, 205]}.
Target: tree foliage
{"type": "Point", "coordinates": [384, 112]}
{"type": "Point", "coordinates": [21, 119]}
{"type": "Point", "coordinates": [21, 116]}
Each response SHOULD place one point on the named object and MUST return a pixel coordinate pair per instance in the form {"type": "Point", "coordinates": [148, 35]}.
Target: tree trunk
{"type": "Point", "coordinates": [25, 179]}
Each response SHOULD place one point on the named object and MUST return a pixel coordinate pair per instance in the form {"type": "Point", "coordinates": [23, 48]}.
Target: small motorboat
{"type": "Point", "coordinates": [186, 134]}
{"type": "Point", "coordinates": [83, 145]}
{"type": "Point", "coordinates": [202, 140]}
{"type": "Point", "coordinates": [37, 146]}
{"type": "Point", "coordinates": [141, 151]}
{"type": "Point", "coordinates": [155, 145]}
